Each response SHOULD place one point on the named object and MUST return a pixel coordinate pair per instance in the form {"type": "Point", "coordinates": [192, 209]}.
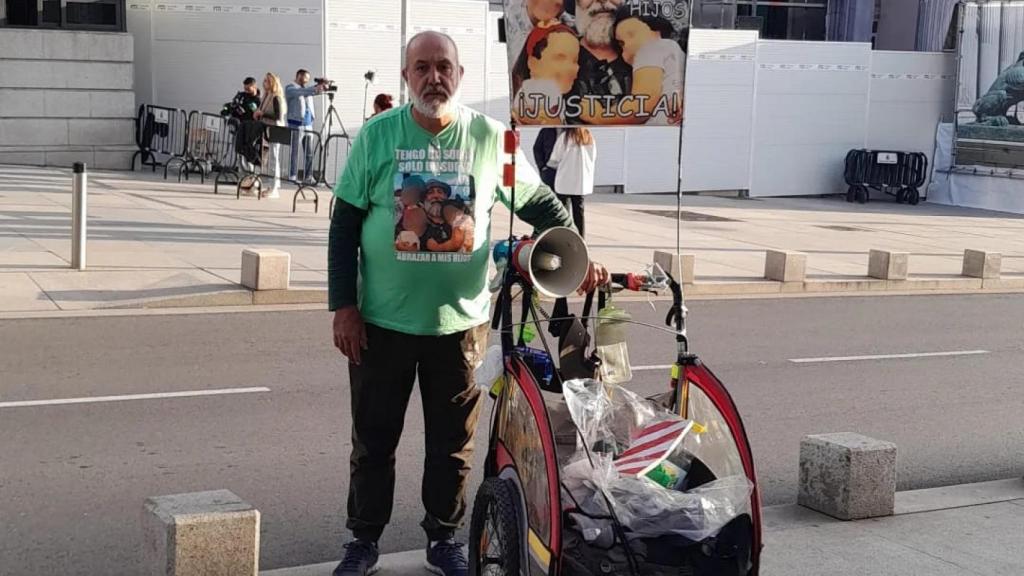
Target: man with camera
{"type": "Point", "coordinates": [299, 99]}
{"type": "Point", "coordinates": [244, 103]}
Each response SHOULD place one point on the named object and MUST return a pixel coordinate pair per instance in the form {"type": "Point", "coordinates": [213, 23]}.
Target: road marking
{"type": "Point", "coordinates": [125, 397]}
{"type": "Point", "coordinates": [887, 356]}
{"type": "Point", "coordinates": [653, 367]}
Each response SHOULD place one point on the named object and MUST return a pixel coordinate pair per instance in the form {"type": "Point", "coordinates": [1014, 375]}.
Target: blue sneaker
{"type": "Point", "coordinates": [361, 559]}
{"type": "Point", "coordinates": [446, 557]}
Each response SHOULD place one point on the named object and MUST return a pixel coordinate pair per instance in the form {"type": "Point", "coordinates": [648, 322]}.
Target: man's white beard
{"type": "Point", "coordinates": [434, 209]}
{"type": "Point", "coordinates": [597, 25]}
{"type": "Point", "coordinates": [435, 109]}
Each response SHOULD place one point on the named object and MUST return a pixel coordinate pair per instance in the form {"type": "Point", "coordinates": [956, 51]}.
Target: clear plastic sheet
{"type": "Point", "coordinates": [607, 416]}
{"type": "Point", "coordinates": [490, 368]}
{"type": "Point", "coordinates": [647, 510]}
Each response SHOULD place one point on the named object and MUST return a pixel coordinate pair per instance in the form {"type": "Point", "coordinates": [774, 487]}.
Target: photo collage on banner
{"type": "Point", "coordinates": [597, 62]}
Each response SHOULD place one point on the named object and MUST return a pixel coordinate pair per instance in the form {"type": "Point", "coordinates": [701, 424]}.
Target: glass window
{"type": "Point", "coordinates": [789, 20]}
{"type": "Point", "coordinates": [69, 14]}
{"type": "Point", "coordinates": [22, 13]}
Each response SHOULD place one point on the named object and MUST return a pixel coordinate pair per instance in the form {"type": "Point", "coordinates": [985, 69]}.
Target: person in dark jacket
{"type": "Point", "coordinates": [245, 103]}
{"type": "Point", "coordinates": [543, 146]}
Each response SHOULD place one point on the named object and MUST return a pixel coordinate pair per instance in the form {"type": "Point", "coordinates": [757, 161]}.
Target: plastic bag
{"type": "Point", "coordinates": [490, 368]}
{"type": "Point", "coordinates": [649, 511]}
{"type": "Point", "coordinates": [610, 418]}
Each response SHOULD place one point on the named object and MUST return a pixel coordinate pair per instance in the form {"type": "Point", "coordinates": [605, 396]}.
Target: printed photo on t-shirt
{"type": "Point", "coordinates": [434, 217]}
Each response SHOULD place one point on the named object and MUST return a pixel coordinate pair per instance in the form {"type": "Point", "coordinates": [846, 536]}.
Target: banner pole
{"type": "Point", "coordinates": [679, 241]}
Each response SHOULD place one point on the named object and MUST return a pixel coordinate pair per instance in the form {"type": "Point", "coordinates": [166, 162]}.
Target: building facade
{"type": "Point", "coordinates": [744, 90]}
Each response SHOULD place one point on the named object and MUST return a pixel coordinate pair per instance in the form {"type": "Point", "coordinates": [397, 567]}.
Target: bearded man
{"type": "Point", "coordinates": [414, 318]}
{"type": "Point", "coordinates": [602, 70]}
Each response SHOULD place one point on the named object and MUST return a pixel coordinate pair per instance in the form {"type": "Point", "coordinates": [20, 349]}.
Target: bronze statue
{"type": "Point", "coordinates": [1007, 91]}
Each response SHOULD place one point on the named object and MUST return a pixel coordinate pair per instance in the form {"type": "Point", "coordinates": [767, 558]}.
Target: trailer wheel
{"type": "Point", "coordinates": [901, 196]}
{"type": "Point", "coordinates": [861, 194]}
{"type": "Point", "coordinates": [913, 196]}
{"type": "Point", "coordinates": [495, 548]}
{"type": "Point", "coordinates": [851, 193]}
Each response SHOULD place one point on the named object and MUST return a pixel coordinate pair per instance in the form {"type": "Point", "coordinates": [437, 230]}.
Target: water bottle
{"type": "Point", "coordinates": [612, 331]}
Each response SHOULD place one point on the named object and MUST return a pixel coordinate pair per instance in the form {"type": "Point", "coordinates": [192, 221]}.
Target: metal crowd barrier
{"type": "Point", "coordinates": [222, 155]}
{"type": "Point", "coordinates": [239, 152]}
{"type": "Point", "coordinates": [899, 174]}
{"type": "Point", "coordinates": [208, 137]}
{"type": "Point", "coordinates": [297, 148]}
{"type": "Point", "coordinates": [160, 134]}
{"type": "Point", "coordinates": [335, 155]}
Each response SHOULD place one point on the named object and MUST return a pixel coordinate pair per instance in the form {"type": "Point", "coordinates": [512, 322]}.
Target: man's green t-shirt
{"type": "Point", "coordinates": [426, 236]}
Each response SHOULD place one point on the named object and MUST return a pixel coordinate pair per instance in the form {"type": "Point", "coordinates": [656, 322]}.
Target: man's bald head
{"type": "Point", "coordinates": [433, 40]}
{"type": "Point", "coordinates": [433, 73]}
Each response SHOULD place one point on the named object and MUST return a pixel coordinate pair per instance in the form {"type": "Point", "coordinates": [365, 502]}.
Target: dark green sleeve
{"type": "Point", "coordinates": [544, 210]}
{"type": "Point", "coordinates": [343, 255]}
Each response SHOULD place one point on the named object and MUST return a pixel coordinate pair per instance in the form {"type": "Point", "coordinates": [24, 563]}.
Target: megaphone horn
{"type": "Point", "coordinates": [556, 262]}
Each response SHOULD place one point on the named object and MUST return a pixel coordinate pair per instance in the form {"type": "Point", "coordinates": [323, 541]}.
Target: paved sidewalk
{"type": "Point", "coordinates": [156, 240]}
{"type": "Point", "coordinates": [929, 535]}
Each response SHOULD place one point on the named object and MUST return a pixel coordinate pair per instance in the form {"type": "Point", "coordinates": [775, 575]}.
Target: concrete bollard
{"type": "Point", "coordinates": [680, 266]}
{"type": "Point", "coordinates": [847, 476]}
{"type": "Point", "coordinates": [887, 265]}
{"type": "Point", "coordinates": [982, 264]}
{"type": "Point", "coordinates": [785, 266]}
{"type": "Point", "coordinates": [202, 533]}
{"type": "Point", "coordinates": [265, 269]}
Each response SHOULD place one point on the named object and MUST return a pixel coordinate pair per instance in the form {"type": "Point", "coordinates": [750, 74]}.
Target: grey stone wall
{"type": "Point", "coordinates": [65, 97]}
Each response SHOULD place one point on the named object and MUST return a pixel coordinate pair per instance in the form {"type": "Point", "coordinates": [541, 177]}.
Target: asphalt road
{"type": "Point", "coordinates": [73, 477]}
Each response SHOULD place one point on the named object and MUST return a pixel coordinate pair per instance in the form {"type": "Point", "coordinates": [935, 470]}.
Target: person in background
{"type": "Point", "coordinates": [241, 108]}
{"type": "Point", "coordinates": [381, 103]}
{"type": "Point", "coordinates": [272, 112]}
{"type": "Point", "coordinates": [299, 97]}
{"type": "Point", "coordinates": [245, 103]}
{"type": "Point", "coordinates": [566, 158]}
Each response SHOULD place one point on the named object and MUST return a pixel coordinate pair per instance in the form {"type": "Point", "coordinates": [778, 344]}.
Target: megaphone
{"type": "Point", "coordinates": [556, 263]}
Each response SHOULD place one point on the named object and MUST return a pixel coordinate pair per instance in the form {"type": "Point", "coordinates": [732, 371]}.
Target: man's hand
{"type": "Point", "coordinates": [257, 114]}
{"type": "Point", "coordinates": [350, 333]}
{"type": "Point", "coordinates": [596, 276]}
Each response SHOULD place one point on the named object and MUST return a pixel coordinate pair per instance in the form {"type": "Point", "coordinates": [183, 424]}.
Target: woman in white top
{"type": "Point", "coordinates": [273, 111]}
{"type": "Point", "coordinates": [573, 159]}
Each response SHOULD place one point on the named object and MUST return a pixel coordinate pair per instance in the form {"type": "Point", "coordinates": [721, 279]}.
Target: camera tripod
{"type": "Point", "coordinates": [330, 117]}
